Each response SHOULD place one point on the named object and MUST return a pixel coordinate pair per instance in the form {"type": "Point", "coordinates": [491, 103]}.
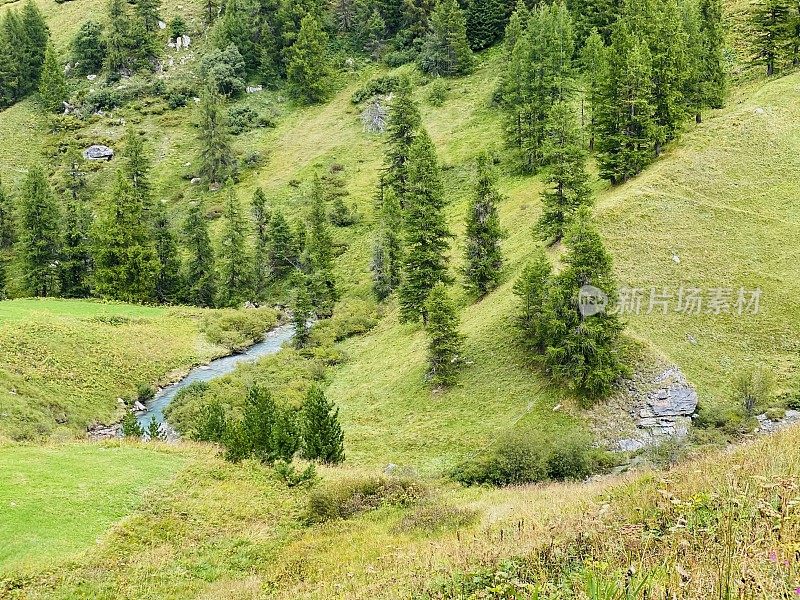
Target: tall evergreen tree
{"type": "Point", "coordinates": [261, 216]}
{"type": "Point", "coordinates": [36, 36]}
{"type": "Point", "coordinates": [515, 28]}
{"type": "Point", "coordinates": [9, 65]}
{"type": "Point", "coordinates": [486, 21]}
{"type": "Point", "coordinates": [771, 24]}
{"type": "Point", "coordinates": [39, 235]}
{"type": "Point", "coordinates": [401, 128]}
{"type": "Point", "coordinates": [136, 169]}
{"type": "Point", "coordinates": [712, 64]}
{"type": "Point", "coordinates": [234, 258]}
{"type": "Point", "coordinates": [567, 182]}
{"type": "Point", "coordinates": [126, 264]}
{"type": "Point", "coordinates": [89, 48]}
{"type": "Point", "coordinates": [282, 252]}
{"type": "Point", "coordinates": [7, 222]}
{"type": "Point", "coordinates": [319, 254]}
{"type": "Point", "coordinates": [238, 26]}
{"type": "Point", "coordinates": [323, 438]}
{"type": "Point", "coordinates": [594, 67]}
{"type": "Point", "coordinates": [308, 70]}
{"type": "Point", "coordinates": [302, 312]}
{"type": "Point", "coordinates": [583, 350]}
{"type": "Point", "coordinates": [388, 250]}
{"type": "Point", "coordinates": [148, 13]}
{"type": "Point", "coordinates": [118, 38]}
{"type": "Point", "coordinates": [52, 84]}
{"type": "Point", "coordinates": [168, 281]}
{"type": "Point", "coordinates": [201, 286]}
{"type": "Point", "coordinates": [483, 258]}
{"type": "Point", "coordinates": [75, 266]}
{"type": "Point", "coordinates": [258, 423]}
{"type": "Point", "coordinates": [217, 162]}
{"type": "Point", "coordinates": [532, 288]}
{"type": "Point", "coordinates": [424, 228]}
{"type": "Point", "coordinates": [445, 50]}
{"type": "Point", "coordinates": [445, 342]}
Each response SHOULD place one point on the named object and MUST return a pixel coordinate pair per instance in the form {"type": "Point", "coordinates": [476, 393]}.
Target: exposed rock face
{"type": "Point", "coordinates": [104, 432]}
{"type": "Point", "coordinates": [98, 152]}
{"type": "Point", "coordinates": [767, 425]}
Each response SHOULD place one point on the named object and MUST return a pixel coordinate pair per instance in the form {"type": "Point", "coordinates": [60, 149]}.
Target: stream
{"type": "Point", "coordinates": [271, 344]}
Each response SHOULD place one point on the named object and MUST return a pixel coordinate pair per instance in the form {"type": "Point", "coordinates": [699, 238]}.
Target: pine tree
{"type": "Point", "coordinates": [201, 287]}
{"type": "Point", "coordinates": [168, 281]}
{"type": "Point", "coordinates": [9, 66]}
{"type": "Point", "coordinates": [258, 423]}
{"type": "Point", "coordinates": [319, 254]}
{"type": "Point", "coordinates": [425, 230]}
{"type": "Point", "coordinates": [7, 224]}
{"type": "Point", "coordinates": [583, 351]}
{"type": "Point", "coordinates": [445, 50]}
{"type": "Point", "coordinates": [567, 187]}
{"type": "Point", "coordinates": [445, 342]}
{"type": "Point", "coordinates": [75, 266]}
{"type": "Point", "coordinates": [131, 427]}
{"type": "Point", "coordinates": [594, 67]}
{"type": "Point", "coordinates": [52, 84]}
{"type": "Point", "coordinates": [486, 21]}
{"type": "Point", "coordinates": [153, 430]}
{"type": "Point", "coordinates": [282, 253]}
{"type": "Point", "coordinates": [483, 258]}
{"type": "Point", "coordinates": [233, 256]}
{"type": "Point", "coordinates": [712, 63]}
{"type": "Point", "coordinates": [34, 42]}
{"type": "Point", "coordinates": [285, 434]}
{"type": "Point", "coordinates": [237, 26]}
{"type": "Point", "coordinates": [118, 39]}
{"type": "Point", "coordinates": [136, 169]}
{"type": "Point", "coordinates": [217, 163]}
{"type": "Point", "coordinates": [39, 235]}
{"type": "Point", "coordinates": [532, 288]}
{"type": "Point", "coordinates": [308, 71]}
{"type": "Point", "coordinates": [126, 263]}
{"type": "Point", "coordinates": [262, 218]}
{"type": "Point", "coordinates": [89, 48]}
{"type": "Point", "coordinates": [388, 251]}
{"type": "Point", "coordinates": [323, 438]}
{"type": "Point", "coordinates": [771, 24]}
{"type": "Point", "coordinates": [301, 313]}
{"type": "Point", "coordinates": [401, 128]}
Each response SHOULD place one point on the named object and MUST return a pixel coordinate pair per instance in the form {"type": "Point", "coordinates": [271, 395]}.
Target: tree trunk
{"type": "Point", "coordinates": [698, 118]}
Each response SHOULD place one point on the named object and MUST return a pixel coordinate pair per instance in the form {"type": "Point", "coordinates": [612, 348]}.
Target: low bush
{"type": "Point", "coordinates": [145, 392]}
{"type": "Point", "coordinates": [292, 477]}
{"type": "Point", "coordinates": [731, 421]}
{"type": "Point", "coordinates": [379, 85]}
{"type": "Point", "coordinates": [437, 92]}
{"type": "Point", "coordinates": [237, 329]}
{"type": "Point", "coordinates": [351, 317]}
{"type": "Point", "coordinates": [752, 389]}
{"type": "Point", "coordinates": [178, 94]}
{"type": "Point", "coordinates": [244, 118]}
{"type": "Point", "coordinates": [348, 497]}
{"type": "Point", "coordinates": [432, 517]}
{"type": "Point", "coordinates": [397, 58]}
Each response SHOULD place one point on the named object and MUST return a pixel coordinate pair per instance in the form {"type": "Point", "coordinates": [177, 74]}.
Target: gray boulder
{"type": "Point", "coordinates": [98, 152]}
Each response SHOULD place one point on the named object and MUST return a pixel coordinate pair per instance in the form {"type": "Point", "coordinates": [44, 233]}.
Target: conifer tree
{"type": "Point", "coordinates": [118, 38]}
{"type": "Point", "coordinates": [424, 230]}
{"type": "Point", "coordinates": [323, 438]}
{"type": "Point", "coordinates": [567, 187]}
{"type": "Point", "coordinates": [262, 218]}
{"type": "Point", "coordinates": [201, 287]}
{"type": "Point", "coordinates": [39, 235]}
{"type": "Point", "coordinates": [583, 350]}
{"type": "Point", "coordinates": [7, 223]}
{"type": "Point", "coordinates": [217, 163]}
{"type": "Point", "coordinates": [388, 250]}
{"type": "Point", "coordinates": [75, 267]}
{"type": "Point", "coordinates": [282, 255]}
{"type": "Point", "coordinates": [126, 264]}
{"type": "Point", "coordinates": [483, 259]}
{"type": "Point", "coordinates": [9, 66]}
{"type": "Point", "coordinates": [486, 21]}
{"type": "Point", "coordinates": [258, 423]}
{"type": "Point", "coordinates": [445, 50]}
{"type": "Point", "coordinates": [301, 313]}
{"type": "Point", "coordinates": [532, 288]}
{"type": "Point", "coordinates": [52, 84]}
{"type": "Point", "coordinates": [168, 281]}
{"type": "Point", "coordinates": [401, 128]}
{"type": "Point", "coordinates": [308, 71]}
{"type": "Point", "coordinates": [34, 43]}
{"type": "Point", "coordinates": [148, 13]}
{"type": "Point", "coordinates": [153, 430]}
{"type": "Point", "coordinates": [89, 48]}
{"type": "Point", "coordinates": [131, 427]}
{"type": "Point", "coordinates": [319, 254]}
{"type": "Point", "coordinates": [594, 67]}
{"type": "Point", "coordinates": [771, 24]}
{"type": "Point", "coordinates": [285, 434]}
{"type": "Point", "coordinates": [237, 26]}
{"type": "Point", "coordinates": [445, 342]}
{"type": "Point", "coordinates": [136, 169]}
{"type": "Point", "coordinates": [234, 258]}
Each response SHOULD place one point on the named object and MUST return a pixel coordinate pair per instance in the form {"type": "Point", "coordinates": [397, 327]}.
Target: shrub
{"type": "Point", "coordinates": [345, 498]}
{"type": "Point", "coordinates": [178, 94]}
{"type": "Point", "coordinates": [437, 92]}
{"type": "Point", "coordinates": [294, 478]}
{"type": "Point", "coordinates": [397, 58]}
{"type": "Point", "coordinates": [775, 413]}
{"type": "Point", "coordinates": [131, 427]}
{"type": "Point", "coordinates": [224, 70]}
{"type": "Point", "coordinates": [211, 422]}
{"type": "Point", "coordinates": [752, 389]}
{"type": "Point", "coordinates": [237, 329]}
{"type": "Point", "coordinates": [569, 458]}
{"type": "Point", "coordinates": [379, 85]}
{"type": "Point", "coordinates": [145, 392]}
{"type": "Point", "coordinates": [731, 421]}
{"type": "Point", "coordinates": [177, 27]}
{"type": "Point", "coordinates": [793, 402]}
{"type": "Point", "coordinates": [245, 118]}
{"type": "Point", "coordinates": [342, 215]}
{"type": "Point", "coordinates": [434, 517]}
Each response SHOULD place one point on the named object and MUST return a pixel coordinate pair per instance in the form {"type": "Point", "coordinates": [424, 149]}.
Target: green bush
{"type": "Point", "coordinates": [237, 329]}
{"type": "Point", "coordinates": [379, 85]}
{"type": "Point", "coordinates": [294, 478]}
{"type": "Point", "coordinates": [398, 58]}
{"type": "Point", "coordinates": [178, 94]}
{"type": "Point", "coordinates": [569, 458]}
{"type": "Point", "coordinates": [752, 389]}
{"type": "Point", "coordinates": [730, 421]}
{"type": "Point", "coordinates": [437, 92]}
{"type": "Point", "coordinates": [244, 118]}
{"type": "Point", "coordinates": [434, 517]}
{"type": "Point", "coordinates": [345, 498]}
{"type": "Point", "coordinates": [145, 392]}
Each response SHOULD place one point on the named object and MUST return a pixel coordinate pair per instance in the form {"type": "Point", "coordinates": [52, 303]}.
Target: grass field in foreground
{"type": "Point", "coordinates": [64, 363]}
{"type": "Point", "coordinates": [56, 501]}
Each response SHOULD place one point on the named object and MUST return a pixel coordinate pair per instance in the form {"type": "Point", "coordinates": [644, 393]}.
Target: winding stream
{"type": "Point", "coordinates": [271, 344]}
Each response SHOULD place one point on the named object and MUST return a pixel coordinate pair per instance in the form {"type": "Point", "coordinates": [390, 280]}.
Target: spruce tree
{"type": "Point", "coordinates": [401, 128]}
{"type": "Point", "coordinates": [9, 66]}
{"type": "Point", "coordinates": [424, 230]}
{"type": "Point", "coordinates": [445, 50]}
{"type": "Point", "coordinates": [567, 188]}
{"type": "Point", "coordinates": [483, 258]}
{"type": "Point", "coordinates": [308, 71]}
{"type": "Point", "coordinates": [261, 216]}
{"type": "Point", "coordinates": [258, 423]}
{"type": "Point", "coordinates": [233, 255]}
{"type": "Point", "coordinates": [237, 26]}
{"type": "Point", "coordinates": [131, 427]}
{"type": "Point", "coordinates": [323, 439]}
{"type": "Point", "coordinates": [52, 84]}
{"type": "Point", "coordinates": [118, 38]}
{"type": "Point", "coordinates": [7, 222]}
{"type": "Point", "coordinates": [583, 351]}
{"type": "Point", "coordinates": [532, 289]}
{"type": "Point", "coordinates": [153, 430]}
{"type": "Point", "coordinates": [712, 62]}
{"type": "Point", "coordinates": [445, 342]}
{"type": "Point", "coordinates": [282, 253]}
{"type": "Point", "coordinates": [217, 163]}
{"type": "Point", "coordinates": [34, 43]}
{"type": "Point", "coordinates": [594, 67]}
{"type": "Point", "coordinates": [486, 20]}
{"type": "Point", "coordinates": [302, 312]}
{"type": "Point", "coordinates": [201, 287]}
{"type": "Point", "coordinates": [319, 254]}
{"type": "Point", "coordinates": [771, 24]}
{"type": "Point", "coordinates": [168, 281]}
{"type": "Point", "coordinates": [39, 235]}
{"type": "Point", "coordinates": [126, 263]}
{"type": "Point", "coordinates": [388, 250]}
{"type": "Point", "coordinates": [88, 48]}
{"type": "Point", "coordinates": [285, 434]}
{"type": "Point", "coordinates": [75, 266]}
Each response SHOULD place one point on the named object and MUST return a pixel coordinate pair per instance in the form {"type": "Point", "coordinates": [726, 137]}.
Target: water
{"type": "Point", "coordinates": [272, 343]}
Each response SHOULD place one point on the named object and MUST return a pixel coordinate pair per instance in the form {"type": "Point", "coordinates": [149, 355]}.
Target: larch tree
{"type": "Point", "coordinates": [117, 40]}
{"type": "Point", "coordinates": [444, 340]}
{"type": "Point", "coordinates": [52, 83]}
{"type": "Point", "coordinates": [425, 232]}
{"type": "Point", "coordinates": [7, 219]}
{"type": "Point", "coordinates": [75, 266]}
{"type": "Point", "coordinates": [401, 128]}
{"type": "Point", "coordinates": [201, 283]}
{"type": "Point", "coordinates": [323, 439]}
{"type": "Point", "coordinates": [233, 255]}
{"type": "Point", "coordinates": [261, 218]}
{"type": "Point", "coordinates": [88, 48]}
{"type": "Point", "coordinates": [308, 70]}
{"type": "Point", "coordinates": [168, 281]}
{"type": "Point", "coordinates": [712, 62]}
{"type": "Point", "coordinates": [567, 188]}
{"type": "Point", "coordinates": [39, 235]}
{"type": "Point", "coordinates": [217, 162]}
{"type": "Point", "coordinates": [302, 312]}
{"type": "Point", "coordinates": [594, 65]}
{"type": "Point", "coordinates": [483, 257]}
{"type": "Point", "coordinates": [446, 50]}
{"type": "Point", "coordinates": [532, 288]}
{"type": "Point", "coordinates": [388, 249]}
{"type": "Point", "coordinates": [282, 256]}
{"type": "Point", "coordinates": [34, 44]}
{"type": "Point", "coordinates": [771, 24]}
{"type": "Point", "coordinates": [319, 254]}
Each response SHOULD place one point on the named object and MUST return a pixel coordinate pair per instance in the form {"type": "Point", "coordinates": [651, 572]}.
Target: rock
{"type": "Point", "coordinates": [68, 108]}
{"type": "Point", "coordinates": [139, 407]}
{"type": "Point", "coordinates": [91, 77]}
{"type": "Point", "coordinates": [675, 402]}
{"type": "Point", "coordinates": [186, 40]}
{"type": "Point", "coordinates": [676, 259]}
{"type": "Point", "coordinates": [759, 111]}
{"type": "Point", "coordinates": [631, 445]}
{"type": "Point", "coordinates": [254, 89]}
{"type": "Point", "coordinates": [104, 432]}
{"type": "Point", "coordinates": [390, 469]}
{"type": "Point", "coordinates": [195, 180]}
{"type": "Point", "coordinates": [98, 152]}
{"type": "Point", "coordinates": [162, 25]}
{"type": "Point", "coordinates": [121, 401]}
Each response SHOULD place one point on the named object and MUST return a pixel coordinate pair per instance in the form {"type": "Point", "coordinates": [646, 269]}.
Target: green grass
{"type": "Point", "coordinates": [57, 501]}
{"type": "Point", "coordinates": [64, 363]}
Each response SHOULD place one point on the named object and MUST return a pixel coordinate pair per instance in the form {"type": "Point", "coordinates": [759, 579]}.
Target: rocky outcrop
{"type": "Point", "coordinates": [768, 425]}
{"type": "Point", "coordinates": [104, 432]}
{"type": "Point", "coordinates": [98, 152]}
